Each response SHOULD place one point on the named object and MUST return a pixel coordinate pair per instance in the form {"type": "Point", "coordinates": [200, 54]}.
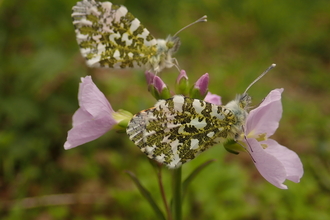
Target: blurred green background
{"type": "Point", "coordinates": [40, 69]}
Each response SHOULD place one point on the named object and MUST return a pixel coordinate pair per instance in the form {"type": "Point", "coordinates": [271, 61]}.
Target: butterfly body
{"type": "Point", "coordinates": [178, 129]}
{"type": "Point", "coordinates": [110, 36]}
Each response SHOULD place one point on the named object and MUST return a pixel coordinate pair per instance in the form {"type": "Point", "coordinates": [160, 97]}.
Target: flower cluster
{"type": "Point", "coordinates": [275, 162]}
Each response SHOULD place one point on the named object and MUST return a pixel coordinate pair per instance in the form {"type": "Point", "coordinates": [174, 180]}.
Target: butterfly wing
{"type": "Point", "coordinates": [176, 130]}
{"type": "Point", "coordinates": [110, 36]}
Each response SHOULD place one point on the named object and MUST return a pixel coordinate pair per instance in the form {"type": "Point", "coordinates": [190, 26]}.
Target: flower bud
{"type": "Point", "coordinates": [157, 87]}
{"type": "Point", "coordinates": [200, 89]}
{"type": "Point", "coordinates": [182, 83]}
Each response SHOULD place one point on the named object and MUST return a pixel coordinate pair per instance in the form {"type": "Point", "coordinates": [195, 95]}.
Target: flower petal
{"type": "Point", "coordinates": [267, 164]}
{"type": "Point", "coordinates": [93, 118]}
{"type": "Point", "coordinates": [265, 118]}
{"type": "Point", "coordinates": [86, 128]}
{"type": "Point", "coordinates": [92, 100]}
{"type": "Point", "coordinates": [289, 159]}
{"type": "Point", "coordinates": [213, 98]}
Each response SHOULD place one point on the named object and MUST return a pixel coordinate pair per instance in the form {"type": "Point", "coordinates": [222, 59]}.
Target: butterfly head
{"type": "Point", "coordinates": [173, 44]}
{"type": "Point", "coordinates": [244, 101]}
{"type": "Point", "coordinates": [164, 51]}
{"type": "Point", "coordinates": [239, 108]}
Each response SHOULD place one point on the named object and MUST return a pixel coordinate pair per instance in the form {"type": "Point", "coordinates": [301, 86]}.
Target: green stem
{"type": "Point", "coordinates": [177, 195]}
{"type": "Point", "coordinates": [162, 191]}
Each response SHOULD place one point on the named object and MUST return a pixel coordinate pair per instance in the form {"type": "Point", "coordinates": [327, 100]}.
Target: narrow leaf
{"type": "Point", "coordinates": [146, 194]}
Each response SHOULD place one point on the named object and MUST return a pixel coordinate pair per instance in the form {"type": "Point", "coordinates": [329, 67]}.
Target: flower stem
{"type": "Point", "coordinates": [177, 195]}
{"type": "Point", "coordinates": [162, 191]}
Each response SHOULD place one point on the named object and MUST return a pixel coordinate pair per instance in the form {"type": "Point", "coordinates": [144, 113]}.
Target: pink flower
{"type": "Point", "coordinates": [275, 162]}
{"type": "Point", "coordinates": [94, 117]}
{"type": "Point", "coordinates": [213, 98]}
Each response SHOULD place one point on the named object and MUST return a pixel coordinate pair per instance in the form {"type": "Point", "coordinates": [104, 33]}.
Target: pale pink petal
{"type": "Point", "coordinates": [87, 129]}
{"type": "Point", "coordinates": [93, 118]}
{"type": "Point", "coordinates": [289, 159]}
{"type": "Point", "coordinates": [265, 118]}
{"type": "Point", "coordinates": [213, 98]}
{"type": "Point", "coordinates": [91, 99]}
{"type": "Point", "coordinates": [267, 164]}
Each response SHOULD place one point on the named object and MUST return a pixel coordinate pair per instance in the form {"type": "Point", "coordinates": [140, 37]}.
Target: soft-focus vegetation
{"type": "Point", "coordinates": [40, 68]}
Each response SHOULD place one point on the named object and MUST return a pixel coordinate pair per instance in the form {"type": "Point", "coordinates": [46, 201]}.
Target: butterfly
{"type": "Point", "coordinates": [178, 129]}
{"type": "Point", "coordinates": [110, 36]}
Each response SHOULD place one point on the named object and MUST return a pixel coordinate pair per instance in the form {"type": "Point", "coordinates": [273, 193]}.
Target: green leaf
{"type": "Point", "coordinates": [146, 194]}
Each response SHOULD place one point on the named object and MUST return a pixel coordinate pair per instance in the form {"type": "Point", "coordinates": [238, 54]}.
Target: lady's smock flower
{"type": "Point", "coordinates": [94, 117]}
{"type": "Point", "coordinates": [275, 162]}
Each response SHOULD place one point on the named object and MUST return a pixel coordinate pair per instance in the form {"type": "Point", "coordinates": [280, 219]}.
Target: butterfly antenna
{"type": "Point", "coordinates": [259, 77]}
{"type": "Point", "coordinates": [202, 19]}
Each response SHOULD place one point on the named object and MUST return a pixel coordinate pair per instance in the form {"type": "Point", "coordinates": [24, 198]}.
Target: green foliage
{"type": "Point", "coordinates": [40, 68]}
